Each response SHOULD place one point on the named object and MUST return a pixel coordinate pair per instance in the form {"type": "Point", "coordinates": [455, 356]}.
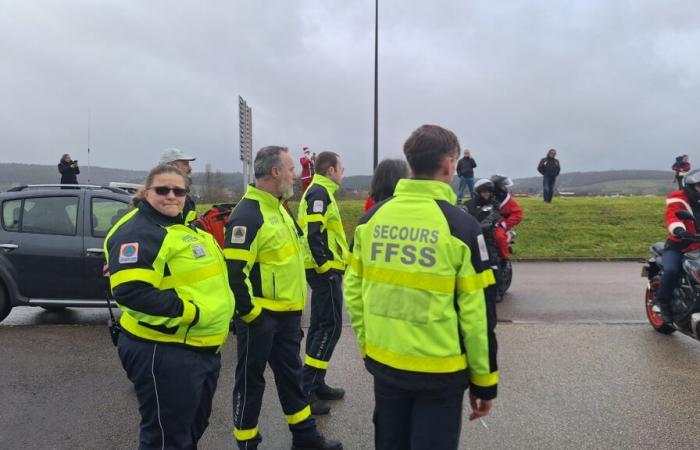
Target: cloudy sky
{"type": "Point", "coordinates": [610, 84]}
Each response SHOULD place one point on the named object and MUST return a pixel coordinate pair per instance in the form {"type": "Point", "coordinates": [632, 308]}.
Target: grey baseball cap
{"type": "Point", "coordinates": [174, 154]}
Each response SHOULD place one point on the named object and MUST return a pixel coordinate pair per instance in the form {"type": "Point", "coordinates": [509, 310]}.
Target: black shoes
{"type": "Point", "coordinates": [320, 443]}
{"type": "Point", "coordinates": [318, 408]}
{"type": "Point", "coordinates": [326, 392]}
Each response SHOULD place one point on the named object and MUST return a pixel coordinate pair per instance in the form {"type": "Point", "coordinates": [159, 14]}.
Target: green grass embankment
{"type": "Point", "coordinates": [571, 227]}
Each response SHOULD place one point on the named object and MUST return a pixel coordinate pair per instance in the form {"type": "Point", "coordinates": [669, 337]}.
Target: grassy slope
{"type": "Point", "coordinates": [597, 227]}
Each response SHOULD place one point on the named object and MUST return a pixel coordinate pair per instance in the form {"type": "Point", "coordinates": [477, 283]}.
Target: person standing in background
{"type": "Point", "coordinates": [681, 167]}
{"type": "Point", "coordinates": [68, 169]}
{"type": "Point", "coordinates": [386, 175]}
{"type": "Point", "coordinates": [326, 252]}
{"type": "Point", "coordinates": [549, 167]}
{"type": "Point", "coordinates": [178, 158]}
{"type": "Point", "coordinates": [465, 172]}
{"type": "Point", "coordinates": [307, 168]}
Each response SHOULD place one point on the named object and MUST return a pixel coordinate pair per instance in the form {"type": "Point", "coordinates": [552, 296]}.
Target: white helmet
{"type": "Point", "coordinates": [483, 184]}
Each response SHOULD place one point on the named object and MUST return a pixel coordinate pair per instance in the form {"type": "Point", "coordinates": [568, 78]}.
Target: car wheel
{"type": "Point", "coordinates": [5, 305]}
{"type": "Point", "coordinates": [54, 308]}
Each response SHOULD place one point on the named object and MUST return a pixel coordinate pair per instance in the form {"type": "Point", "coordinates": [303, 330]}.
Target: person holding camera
{"type": "Point", "coordinates": [69, 169]}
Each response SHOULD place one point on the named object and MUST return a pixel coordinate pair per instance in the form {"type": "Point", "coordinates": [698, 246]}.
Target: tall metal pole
{"type": "Point", "coordinates": [88, 145]}
{"type": "Point", "coordinates": [376, 59]}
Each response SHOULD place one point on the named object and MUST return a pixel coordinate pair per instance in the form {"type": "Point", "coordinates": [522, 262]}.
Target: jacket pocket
{"type": "Point", "coordinates": [406, 306]}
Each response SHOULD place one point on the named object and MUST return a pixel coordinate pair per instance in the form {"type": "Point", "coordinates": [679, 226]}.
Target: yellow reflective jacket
{"type": "Point", "coordinates": [326, 247]}
{"type": "Point", "coordinates": [169, 280]}
{"type": "Point", "coordinates": [264, 255]}
{"type": "Point", "coordinates": [414, 288]}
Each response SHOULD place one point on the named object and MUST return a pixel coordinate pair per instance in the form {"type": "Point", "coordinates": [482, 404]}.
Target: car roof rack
{"type": "Point", "coordinates": [67, 186]}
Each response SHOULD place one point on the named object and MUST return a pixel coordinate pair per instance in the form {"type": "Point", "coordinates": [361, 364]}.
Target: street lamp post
{"type": "Point", "coordinates": [376, 59]}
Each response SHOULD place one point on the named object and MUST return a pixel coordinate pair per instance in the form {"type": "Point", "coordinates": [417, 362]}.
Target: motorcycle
{"type": "Point", "coordinates": [502, 268]}
{"type": "Point", "coordinates": [685, 301]}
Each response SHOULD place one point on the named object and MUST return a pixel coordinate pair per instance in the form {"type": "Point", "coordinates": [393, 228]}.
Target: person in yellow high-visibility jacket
{"type": "Point", "coordinates": [327, 248]}
{"type": "Point", "coordinates": [171, 284]}
{"type": "Point", "coordinates": [414, 289]}
{"type": "Point", "coordinates": [265, 258]}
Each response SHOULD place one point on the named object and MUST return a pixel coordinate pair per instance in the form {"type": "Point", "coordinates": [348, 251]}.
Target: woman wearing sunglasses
{"type": "Point", "coordinates": [171, 283]}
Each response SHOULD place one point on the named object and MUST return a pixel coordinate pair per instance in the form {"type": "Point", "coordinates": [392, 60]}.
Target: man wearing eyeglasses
{"type": "Point", "coordinates": [178, 158]}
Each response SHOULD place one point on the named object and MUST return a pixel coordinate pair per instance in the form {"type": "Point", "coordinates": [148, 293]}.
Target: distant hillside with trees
{"type": "Point", "coordinates": [611, 182]}
{"type": "Point", "coordinates": [215, 186]}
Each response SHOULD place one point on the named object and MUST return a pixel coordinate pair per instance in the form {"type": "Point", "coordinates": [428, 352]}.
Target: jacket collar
{"type": "Point", "coordinates": [161, 219]}
{"type": "Point", "coordinates": [263, 197]}
{"type": "Point", "coordinates": [326, 182]}
{"type": "Point", "coordinates": [432, 189]}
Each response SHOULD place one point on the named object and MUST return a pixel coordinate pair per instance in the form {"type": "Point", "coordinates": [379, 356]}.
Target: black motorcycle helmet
{"type": "Point", "coordinates": [501, 184]}
{"type": "Point", "coordinates": [689, 182]}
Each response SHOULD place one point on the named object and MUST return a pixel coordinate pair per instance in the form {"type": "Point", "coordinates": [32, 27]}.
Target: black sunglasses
{"type": "Point", "coordinates": [165, 190]}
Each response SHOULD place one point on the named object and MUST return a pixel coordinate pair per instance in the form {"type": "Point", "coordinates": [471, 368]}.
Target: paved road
{"type": "Point", "coordinates": [579, 369]}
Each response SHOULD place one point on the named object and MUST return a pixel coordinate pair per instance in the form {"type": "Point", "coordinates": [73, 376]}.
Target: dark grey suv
{"type": "Point", "coordinates": [51, 244]}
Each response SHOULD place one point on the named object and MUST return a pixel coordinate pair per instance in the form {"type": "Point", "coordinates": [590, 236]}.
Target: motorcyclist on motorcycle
{"type": "Point", "coordinates": [688, 199]}
{"type": "Point", "coordinates": [511, 214]}
{"type": "Point", "coordinates": [487, 217]}
{"type": "Point", "coordinates": [484, 208]}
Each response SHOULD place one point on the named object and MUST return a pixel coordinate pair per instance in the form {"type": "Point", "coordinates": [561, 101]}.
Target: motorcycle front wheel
{"type": "Point", "coordinates": [656, 322]}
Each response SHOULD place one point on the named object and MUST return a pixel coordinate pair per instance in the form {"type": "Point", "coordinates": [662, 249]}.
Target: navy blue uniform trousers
{"type": "Point", "coordinates": [273, 338]}
{"type": "Point", "coordinates": [324, 329]}
{"type": "Point", "coordinates": [416, 420]}
{"type": "Point", "coordinates": [174, 386]}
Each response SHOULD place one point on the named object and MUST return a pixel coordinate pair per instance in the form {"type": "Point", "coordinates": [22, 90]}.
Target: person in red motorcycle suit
{"type": "Point", "coordinates": [307, 168]}
{"type": "Point", "coordinates": [688, 199]}
{"type": "Point", "coordinates": [511, 214]}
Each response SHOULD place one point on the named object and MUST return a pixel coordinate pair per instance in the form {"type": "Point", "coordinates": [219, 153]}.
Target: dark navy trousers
{"type": "Point", "coordinates": [671, 260]}
{"type": "Point", "coordinates": [273, 338]}
{"type": "Point", "coordinates": [325, 327]}
{"type": "Point", "coordinates": [416, 420]}
{"type": "Point", "coordinates": [548, 188]}
{"type": "Point", "coordinates": [174, 386]}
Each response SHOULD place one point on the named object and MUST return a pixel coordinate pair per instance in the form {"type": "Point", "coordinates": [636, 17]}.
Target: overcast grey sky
{"type": "Point", "coordinates": [610, 84]}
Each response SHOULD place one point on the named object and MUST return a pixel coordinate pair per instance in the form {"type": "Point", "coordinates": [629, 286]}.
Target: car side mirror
{"type": "Point", "coordinates": [684, 214]}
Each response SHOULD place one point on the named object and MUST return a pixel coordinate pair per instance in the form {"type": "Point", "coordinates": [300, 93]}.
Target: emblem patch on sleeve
{"type": "Point", "coordinates": [483, 251]}
{"type": "Point", "coordinates": [318, 206]}
{"type": "Point", "coordinates": [129, 253]}
{"type": "Point", "coordinates": [238, 234]}
{"type": "Point", "coordinates": [198, 251]}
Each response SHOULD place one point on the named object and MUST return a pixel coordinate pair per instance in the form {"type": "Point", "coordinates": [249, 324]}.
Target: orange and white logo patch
{"type": "Point", "coordinates": [129, 253]}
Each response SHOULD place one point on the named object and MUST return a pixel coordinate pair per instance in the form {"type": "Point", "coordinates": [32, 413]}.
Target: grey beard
{"type": "Point", "coordinates": [286, 195]}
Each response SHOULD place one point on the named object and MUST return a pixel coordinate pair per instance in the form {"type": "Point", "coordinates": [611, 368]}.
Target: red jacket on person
{"type": "Point", "coordinates": [511, 212]}
{"type": "Point", "coordinates": [678, 201]}
{"type": "Point", "coordinates": [685, 167]}
{"type": "Point", "coordinates": [307, 171]}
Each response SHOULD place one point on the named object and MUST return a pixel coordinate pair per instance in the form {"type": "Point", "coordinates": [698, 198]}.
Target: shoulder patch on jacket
{"type": "Point", "coordinates": [243, 225]}
{"type": "Point", "coordinates": [317, 199]}
{"type": "Point", "coordinates": [238, 234]}
{"type": "Point", "coordinates": [129, 253]}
